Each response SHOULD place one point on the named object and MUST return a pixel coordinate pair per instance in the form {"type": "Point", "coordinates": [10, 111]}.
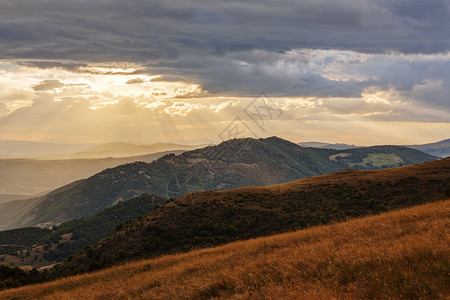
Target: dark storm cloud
{"type": "Point", "coordinates": [238, 47]}
{"type": "Point", "coordinates": [52, 65]}
{"type": "Point", "coordinates": [247, 73]}
{"type": "Point", "coordinates": [131, 30]}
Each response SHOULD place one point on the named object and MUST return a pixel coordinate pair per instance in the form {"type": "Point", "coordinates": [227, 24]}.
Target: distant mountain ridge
{"type": "Point", "coordinates": [10, 149]}
{"type": "Point", "coordinates": [126, 149]}
{"type": "Point", "coordinates": [439, 149]}
{"type": "Point", "coordinates": [21, 149]}
{"type": "Point", "coordinates": [337, 146]}
{"type": "Point", "coordinates": [231, 164]}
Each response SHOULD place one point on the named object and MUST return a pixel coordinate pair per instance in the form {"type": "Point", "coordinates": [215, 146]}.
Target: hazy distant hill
{"type": "Point", "coordinates": [235, 163]}
{"type": "Point", "coordinates": [50, 151]}
{"type": "Point", "coordinates": [30, 176]}
{"type": "Point", "coordinates": [441, 149]}
{"type": "Point", "coordinates": [337, 146]}
{"type": "Point", "coordinates": [11, 197]}
{"type": "Point", "coordinates": [17, 213]}
{"type": "Point", "coordinates": [126, 149]}
{"type": "Point", "coordinates": [204, 219]}
{"type": "Point", "coordinates": [21, 149]}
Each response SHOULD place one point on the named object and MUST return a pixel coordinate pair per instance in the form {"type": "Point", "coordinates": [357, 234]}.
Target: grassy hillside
{"type": "Point", "coordinates": [396, 255]}
{"type": "Point", "coordinates": [204, 219]}
{"type": "Point", "coordinates": [376, 157]}
{"type": "Point", "coordinates": [50, 246]}
{"type": "Point", "coordinates": [235, 163]}
{"type": "Point", "coordinates": [91, 229]}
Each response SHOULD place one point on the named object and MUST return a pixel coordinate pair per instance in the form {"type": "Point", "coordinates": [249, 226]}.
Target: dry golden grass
{"type": "Point", "coordinates": [401, 254]}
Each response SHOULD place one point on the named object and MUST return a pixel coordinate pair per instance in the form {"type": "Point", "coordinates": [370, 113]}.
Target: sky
{"type": "Point", "coordinates": [361, 72]}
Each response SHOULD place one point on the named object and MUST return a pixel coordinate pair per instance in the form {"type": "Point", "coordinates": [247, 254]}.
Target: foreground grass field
{"type": "Point", "coordinates": [401, 254]}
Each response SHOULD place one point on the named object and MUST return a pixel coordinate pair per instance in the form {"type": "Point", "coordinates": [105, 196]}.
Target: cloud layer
{"type": "Point", "coordinates": [161, 31]}
{"type": "Point", "coordinates": [189, 64]}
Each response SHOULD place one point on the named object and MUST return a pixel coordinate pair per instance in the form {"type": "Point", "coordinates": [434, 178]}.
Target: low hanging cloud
{"type": "Point", "coordinates": [135, 81]}
{"type": "Point", "coordinates": [47, 84]}
{"type": "Point", "coordinates": [181, 109]}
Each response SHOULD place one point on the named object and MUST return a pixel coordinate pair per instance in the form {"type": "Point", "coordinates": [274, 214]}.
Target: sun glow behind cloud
{"type": "Point", "coordinates": [100, 86]}
{"type": "Point", "coordinates": [181, 69]}
{"type": "Point", "coordinates": [124, 101]}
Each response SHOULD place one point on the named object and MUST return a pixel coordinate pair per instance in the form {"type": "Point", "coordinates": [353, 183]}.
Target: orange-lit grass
{"type": "Point", "coordinates": [402, 254]}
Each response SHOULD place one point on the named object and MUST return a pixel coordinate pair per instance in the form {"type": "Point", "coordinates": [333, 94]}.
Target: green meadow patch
{"type": "Point", "coordinates": [379, 160]}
